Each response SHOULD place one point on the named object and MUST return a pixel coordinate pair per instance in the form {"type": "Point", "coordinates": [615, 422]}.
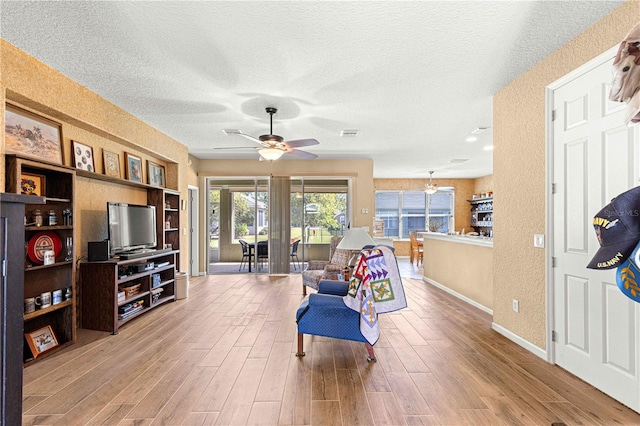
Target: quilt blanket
{"type": "Point", "coordinates": [375, 288]}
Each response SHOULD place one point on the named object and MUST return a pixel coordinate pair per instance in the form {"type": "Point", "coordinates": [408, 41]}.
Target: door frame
{"type": "Point", "coordinates": [549, 180]}
{"type": "Point", "coordinates": [194, 230]}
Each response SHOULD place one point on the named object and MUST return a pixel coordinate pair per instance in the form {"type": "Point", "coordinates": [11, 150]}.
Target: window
{"type": "Point", "coordinates": [406, 211]}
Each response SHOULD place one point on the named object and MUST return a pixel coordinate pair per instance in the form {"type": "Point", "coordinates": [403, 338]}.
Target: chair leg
{"type": "Point", "coordinates": [372, 356]}
{"type": "Point", "coordinates": [300, 349]}
{"type": "Point", "coordinates": [304, 290]}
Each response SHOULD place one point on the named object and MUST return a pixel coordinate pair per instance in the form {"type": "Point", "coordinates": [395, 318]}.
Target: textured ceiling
{"type": "Point", "coordinates": [415, 77]}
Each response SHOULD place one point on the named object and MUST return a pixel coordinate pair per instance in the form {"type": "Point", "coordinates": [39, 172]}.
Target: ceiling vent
{"type": "Point", "coordinates": [459, 160]}
{"type": "Point", "coordinates": [480, 130]}
{"type": "Point", "coordinates": [230, 132]}
{"type": "Point", "coordinates": [349, 133]}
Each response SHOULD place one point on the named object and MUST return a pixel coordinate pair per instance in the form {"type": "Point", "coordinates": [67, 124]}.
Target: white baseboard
{"type": "Point", "coordinates": [499, 329]}
{"type": "Point", "coordinates": [458, 295]}
{"type": "Point", "coordinates": [520, 341]}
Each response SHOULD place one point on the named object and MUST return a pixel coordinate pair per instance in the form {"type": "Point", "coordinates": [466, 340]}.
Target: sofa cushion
{"type": "Point", "coordinates": [341, 257]}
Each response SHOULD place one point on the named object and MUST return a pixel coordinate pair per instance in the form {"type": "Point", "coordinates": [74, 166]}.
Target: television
{"type": "Point", "coordinates": [131, 227]}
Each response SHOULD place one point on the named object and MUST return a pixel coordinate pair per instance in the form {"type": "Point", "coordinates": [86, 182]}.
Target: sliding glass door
{"type": "Point", "coordinates": [247, 234]}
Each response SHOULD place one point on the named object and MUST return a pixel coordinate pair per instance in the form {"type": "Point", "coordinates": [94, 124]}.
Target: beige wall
{"type": "Point", "coordinates": [464, 268]}
{"type": "Point", "coordinates": [519, 175]}
{"type": "Point", "coordinates": [483, 184]}
{"type": "Point", "coordinates": [360, 173]}
{"type": "Point", "coordinates": [89, 119]}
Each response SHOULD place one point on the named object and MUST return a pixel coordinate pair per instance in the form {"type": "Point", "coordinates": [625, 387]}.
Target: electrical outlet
{"type": "Point", "coordinates": [516, 305]}
{"type": "Point", "coordinates": [538, 240]}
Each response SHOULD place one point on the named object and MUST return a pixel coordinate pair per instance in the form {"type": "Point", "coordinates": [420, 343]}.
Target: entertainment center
{"type": "Point", "coordinates": [140, 280]}
{"type": "Point", "coordinates": [51, 257]}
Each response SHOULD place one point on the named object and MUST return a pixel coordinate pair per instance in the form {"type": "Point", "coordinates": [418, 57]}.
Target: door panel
{"type": "Point", "coordinates": [595, 159]}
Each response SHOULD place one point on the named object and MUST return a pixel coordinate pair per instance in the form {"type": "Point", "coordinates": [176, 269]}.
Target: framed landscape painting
{"type": "Point", "coordinates": [32, 136]}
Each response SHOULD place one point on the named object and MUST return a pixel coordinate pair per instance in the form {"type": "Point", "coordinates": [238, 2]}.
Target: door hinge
{"type": "Point", "coordinates": [4, 267]}
{"type": "Point", "coordinates": [553, 115]}
{"type": "Point", "coordinates": [553, 188]}
{"type": "Point", "coordinates": [553, 262]}
{"type": "Point", "coordinates": [554, 336]}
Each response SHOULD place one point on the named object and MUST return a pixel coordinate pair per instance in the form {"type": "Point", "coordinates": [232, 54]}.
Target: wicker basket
{"type": "Point", "coordinates": [131, 290]}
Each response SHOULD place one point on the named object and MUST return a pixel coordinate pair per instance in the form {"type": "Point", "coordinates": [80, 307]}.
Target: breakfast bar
{"type": "Point", "coordinates": [461, 265]}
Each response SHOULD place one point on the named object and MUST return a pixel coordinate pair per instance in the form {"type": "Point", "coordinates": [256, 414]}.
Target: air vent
{"type": "Point", "coordinates": [480, 130]}
{"type": "Point", "coordinates": [349, 133]}
{"type": "Point", "coordinates": [459, 160]}
{"type": "Point", "coordinates": [230, 132]}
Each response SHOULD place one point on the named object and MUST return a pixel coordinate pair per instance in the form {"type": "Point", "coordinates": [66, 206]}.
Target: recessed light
{"type": "Point", "coordinates": [488, 147]}
{"type": "Point", "coordinates": [471, 139]}
{"type": "Point", "coordinates": [349, 133]}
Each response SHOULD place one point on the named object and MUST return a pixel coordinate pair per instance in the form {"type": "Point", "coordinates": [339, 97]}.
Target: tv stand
{"type": "Point", "coordinates": [101, 307]}
{"type": "Point", "coordinates": [136, 254]}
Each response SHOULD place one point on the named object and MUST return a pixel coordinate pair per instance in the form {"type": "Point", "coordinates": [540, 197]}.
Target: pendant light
{"type": "Point", "coordinates": [431, 188]}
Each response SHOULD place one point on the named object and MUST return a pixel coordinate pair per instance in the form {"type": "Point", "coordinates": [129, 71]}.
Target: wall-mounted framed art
{"type": "Point", "coordinates": [111, 164]}
{"type": "Point", "coordinates": [155, 174]}
{"type": "Point", "coordinates": [82, 156]}
{"type": "Point", "coordinates": [133, 167]}
{"type": "Point", "coordinates": [32, 136]}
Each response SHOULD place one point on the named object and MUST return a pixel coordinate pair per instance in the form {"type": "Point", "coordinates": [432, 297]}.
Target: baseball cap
{"type": "Point", "coordinates": [628, 276]}
{"type": "Point", "coordinates": [617, 227]}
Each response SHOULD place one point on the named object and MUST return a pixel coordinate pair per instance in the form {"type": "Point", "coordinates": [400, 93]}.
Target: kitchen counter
{"type": "Point", "coordinates": [461, 265]}
{"type": "Point", "coordinates": [462, 239]}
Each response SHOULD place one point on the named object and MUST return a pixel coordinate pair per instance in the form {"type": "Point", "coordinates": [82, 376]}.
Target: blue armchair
{"type": "Point", "coordinates": [325, 314]}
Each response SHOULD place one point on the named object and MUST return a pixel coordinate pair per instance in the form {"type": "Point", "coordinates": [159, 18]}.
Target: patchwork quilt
{"type": "Point", "coordinates": [375, 288]}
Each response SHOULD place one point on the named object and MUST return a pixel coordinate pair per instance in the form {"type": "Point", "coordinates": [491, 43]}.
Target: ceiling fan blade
{"type": "Point", "coordinates": [301, 142]}
{"type": "Point", "coordinates": [251, 138]}
{"type": "Point", "coordinates": [301, 154]}
{"type": "Point", "coordinates": [236, 147]}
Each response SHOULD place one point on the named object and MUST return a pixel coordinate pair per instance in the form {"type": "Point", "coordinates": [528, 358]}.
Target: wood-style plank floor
{"type": "Point", "coordinates": [226, 356]}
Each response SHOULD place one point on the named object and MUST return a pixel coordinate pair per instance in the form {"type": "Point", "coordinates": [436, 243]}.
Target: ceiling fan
{"type": "Point", "coordinates": [274, 146]}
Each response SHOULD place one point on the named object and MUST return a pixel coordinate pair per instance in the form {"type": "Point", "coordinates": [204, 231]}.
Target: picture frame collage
{"type": "Point", "coordinates": [37, 137]}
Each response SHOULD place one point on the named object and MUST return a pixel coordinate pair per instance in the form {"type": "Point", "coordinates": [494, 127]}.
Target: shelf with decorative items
{"type": "Point", "coordinates": [122, 290]}
{"type": "Point", "coordinates": [49, 266]}
{"type": "Point", "coordinates": [482, 215]}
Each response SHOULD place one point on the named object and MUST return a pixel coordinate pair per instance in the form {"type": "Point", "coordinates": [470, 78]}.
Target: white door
{"type": "Point", "coordinates": [594, 159]}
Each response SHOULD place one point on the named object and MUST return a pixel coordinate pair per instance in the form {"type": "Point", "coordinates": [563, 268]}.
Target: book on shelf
{"type": "Point", "coordinates": [130, 313]}
{"type": "Point", "coordinates": [129, 306]}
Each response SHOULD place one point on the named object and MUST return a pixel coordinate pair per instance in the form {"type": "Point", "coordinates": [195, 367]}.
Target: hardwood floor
{"type": "Point", "coordinates": [226, 355]}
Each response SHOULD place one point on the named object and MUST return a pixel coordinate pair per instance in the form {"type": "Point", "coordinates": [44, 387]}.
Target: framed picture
{"type": "Point", "coordinates": [155, 174]}
{"type": "Point", "coordinates": [41, 340]}
{"type": "Point", "coordinates": [111, 163]}
{"type": "Point", "coordinates": [32, 184]}
{"type": "Point", "coordinates": [133, 167]}
{"type": "Point", "coordinates": [82, 156]}
{"type": "Point", "coordinates": [31, 135]}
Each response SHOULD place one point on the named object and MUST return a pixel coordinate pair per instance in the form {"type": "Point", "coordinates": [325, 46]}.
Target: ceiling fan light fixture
{"type": "Point", "coordinates": [431, 188]}
{"type": "Point", "coordinates": [271, 154]}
